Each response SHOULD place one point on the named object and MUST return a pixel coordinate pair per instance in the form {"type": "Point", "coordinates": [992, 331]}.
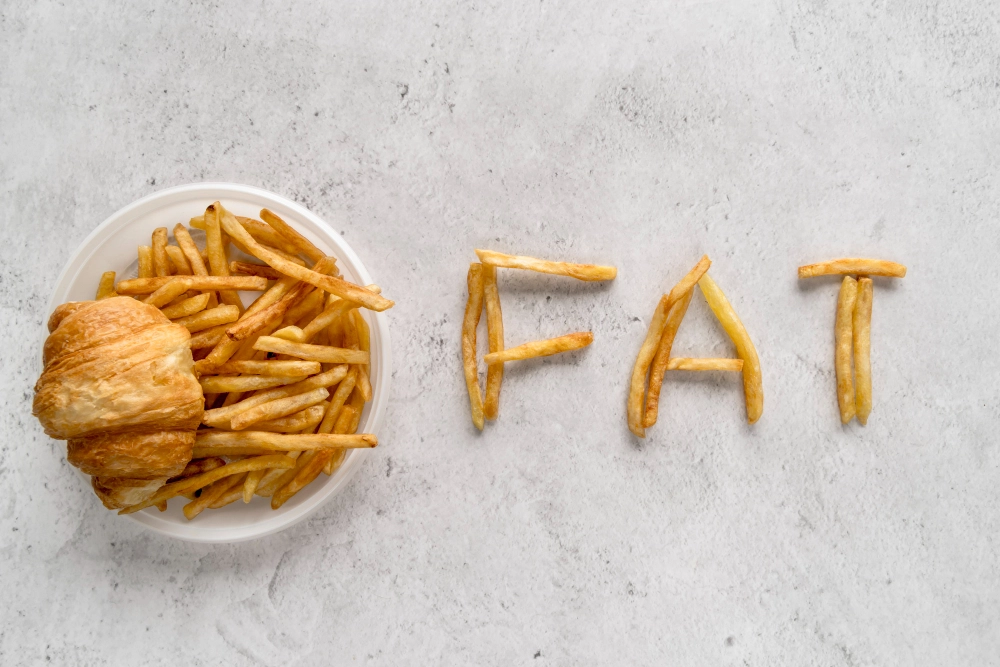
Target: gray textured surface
{"type": "Point", "coordinates": [765, 133]}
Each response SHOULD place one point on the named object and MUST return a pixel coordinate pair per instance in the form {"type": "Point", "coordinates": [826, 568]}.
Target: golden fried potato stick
{"type": "Point", "coordinates": [250, 323]}
{"type": "Point", "coordinates": [293, 423]}
{"type": "Point", "coordinates": [217, 263]}
{"type": "Point", "coordinates": [862, 350]}
{"type": "Point", "coordinates": [106, 286]}
{"type": "Point", "coordinates": [854, 266]}
{"type": "Point", "coordinates": [347, 422]}
{"type": "Point", "coordinates": [164, 295]}
{"type": "Point", "coordinates": [542, 348]}
{"type": "Point", "coordinates": [278, 442]}
{"type": "Point", "coordinates": [844, 329]}
{"type": "Point", "coordinates": [190, 250]}
{"type": "Point", "coordinates": [323, 353]}
{"type": "Point", "coordinates": [146, 269]}
{"type": "Point", "coordinates": [273, 479]}
{"type": "Point", "coordinates": [208, 337]}
{"type": "Point", "coordinates": [494, 333]}
{"type": "Point", "coordinates": [753, 386]}
{"type": "Point", "coordinates": [210, 494]}
{"type": "Point", "coordinates": [329, 315]}
{"type": "Point", "coordinates": [643, 360]}
{"type": "Point", "coordinates": [183, 486]}
{"type": "Point", "coordinates": [161, 263]}
{"type": "Point", "coordinates": [195, 304]}
{"type": "Point", "coordinates": [272, 368]}
{"type": "Point", "coordinates": [281, 407]}
{"type": "Point", "coordinates": [338, 400]}
{"type": "Point", "coordinates": [331, 284]}
{"type": "Point", "coordinates": [301, 243]}
{"type": "Point", "coordinates": [305, 475]}
{"type": "Point", "coordinates": [222, 416]}
{"type": "Point", "coordinates": [259, 231]}
{"type": "Point", "coordinates": [686, 364]}
{"type": "Point", "coordinates": [234, 493]}
{"type": "Point", "coordinates": [589, 272]}
{"type": "Point", "coordinates": [178, 261]}
{"type": "Point", "coordinates": [249, 269]}
{"type": "Point", "coordinates": [364, 383]}
{"type": "Point", "coordinates": [220, 384]}
{"type": "Point", "coordinates": [209, 318]}
{"type": "Point", "coordinates": [661, 361]}
{"type": "Point", "coordinates": [139, 286]}
{"type": "Point", "coordinates": [251, 483]}
{"type": "Point", "coordinates": [473, 309]}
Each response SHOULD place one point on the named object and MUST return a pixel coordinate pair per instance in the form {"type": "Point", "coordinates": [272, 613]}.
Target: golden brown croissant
{"type": "Point", "coordinates": [119, 385]}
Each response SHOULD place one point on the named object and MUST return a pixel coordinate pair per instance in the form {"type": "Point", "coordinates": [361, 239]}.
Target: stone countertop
{"type": "Point", "coordinates": [765, 133]}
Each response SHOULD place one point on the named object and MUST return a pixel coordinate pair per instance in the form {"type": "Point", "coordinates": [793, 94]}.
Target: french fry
{"type": "Point", "coordinates": [251, 483]}
{"type": "Point", "coordinates": [364, 383]}
{"type": "Point", "coordinates": [845, 342]}
{"type": "Point", "coordinates": [161, 263]}
{"type": "Point", "coordinates": [220, 384]}
{"type": "Point", "coordinates": [146, 269]}
{"type": "Point", "coordinates": [347, 422]}
{"type": "Point", "coordinates": [222, 416]}
{"type": "Point", "coordinates": [209, 318]}
{"type": "Point", "coordinates": [862, 350]}
{"type": "Point", "coordinates": [278, 442]}
{"type": "Point", "coordinates": [637, 384]}
{"type": "Point", "coordinates": [331, 284]}
{"type": "Point", "coordinates": [753, 388]}
{"type": "Point", "coordinates": [164, 295]}
{"type": "Point", "coordinates": [494, 333]}
{"type": "Point", "coordinates": [473, 310]}
{"type": "Point", "coordinates": [661, 361]}
{"type": "Point", "coordinates": [106, 286]}
{"type": "Point", "coordinates": [179, 263]}
{"type": "Point", "coordinates": [180, 487]}
{"type": "Point", "coordinates": [248, 269]}
{"type": "Point", "coordinates": [278, 408]}
{"type": "Point", "coordinates": [208, 337]}
{"type": "Point", "coordinates": [331, 314]}
{"type": "Point", "coordinates": [261, 232]}
{"type": "Point", "coordinates": [290, 333]}
{"type": "Point", "coordinates": [139, 286]}
{"type": "Point", "coordinates": [854, 266]}
{"type": "Point", "coordinates": [293, 423]}
{"type": "Point", "coordinates": [685, 364]}
{"type": "Point", "coordinates": [542, 348]}
{"type": "Point", "coordinates": [301, 243]}
{"type": "Point", "coordinates": [322, 353]}
{"type": "Point", "coordinates": [303, 477]}
{"type": "Point", "coordinates": [337, 402]}
{"type": "Point", "coordinates": [589, 272]}
{"type": "Point", "coordinates": [273, 479]}
{"type": "Point", "coordinates": [210, 494]}
{"type": "Point", "coordinates": [271, 368]}
{"type": "Point", "coordinates": [195, 304]}
{"type": "Point", "coordinates": [234, 493]}
{"type": "Point", "coordinates": [218, 266]}
{"type": "Point", "coordinates": [190, 250]}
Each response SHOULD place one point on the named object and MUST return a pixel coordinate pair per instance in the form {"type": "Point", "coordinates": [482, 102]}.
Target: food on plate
{"type": "Point", "coordinates": [483, 292]}
{"type": "Point", "coordinates": [854, 266]}
{"type": "Point", "coordinates": [654, 357]}
{"type": "Point", "coordinates": [590, 272]}
{"type": "Point", "coordinates": [862, 323]}
{"type": "Point", "coordinates": [122, 385]}
{"type": "Point", "coordinates": [541, 348]}
{"type": "Point", "coordinates": [473, 310]}
{"type": "Point", "coordinates": [852, 329]}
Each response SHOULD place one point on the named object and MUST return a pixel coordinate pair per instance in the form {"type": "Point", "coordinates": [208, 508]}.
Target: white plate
{"type": "Point", "coordinates": [112, 247]}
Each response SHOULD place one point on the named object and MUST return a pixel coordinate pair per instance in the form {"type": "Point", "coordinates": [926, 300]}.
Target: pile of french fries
{"type": "Point", "coordinates": [285, 379]}
{"type": "Point", "coordinates": [654, 358]}
{"type": "Point", "coordinates": [482, 283]}
{"type": "Point", "coordinates": [853, 329]}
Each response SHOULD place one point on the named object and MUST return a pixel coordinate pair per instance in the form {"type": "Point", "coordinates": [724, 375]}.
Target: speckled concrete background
{"type": "Point", "coordinates": [766, 133]}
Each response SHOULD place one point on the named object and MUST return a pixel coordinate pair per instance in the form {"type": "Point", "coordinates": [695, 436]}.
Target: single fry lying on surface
{"type": "Point", "coordinates": [661, 361]}
{"type": "Point", "coordinates": [589, 272]}
{"type": "Point", "coordinates": [494, 332]}
{"type": "Point", "coordinates": [862, 350]}
{"type": "Point", "coordinates": [854, 266]}
{"type": "Point", "coordinates": [753, 386]}
{"type": "Point", "coordinates": [844, 329]}
{"type": "Point", "coordinates": [542, 348]}
{"type": "Point", "coordinates": [685, 364]}
{"type": "Point", "coordinates": [473, 310]}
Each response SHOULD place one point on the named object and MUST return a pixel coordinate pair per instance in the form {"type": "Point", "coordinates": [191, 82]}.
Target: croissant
{"type": "Point", "coordinates": [119, 385]}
